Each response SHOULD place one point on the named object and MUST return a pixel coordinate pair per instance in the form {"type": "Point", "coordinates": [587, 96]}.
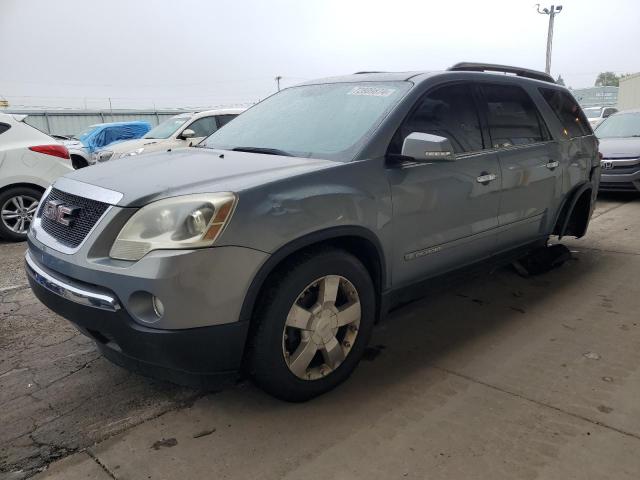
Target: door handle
{"type": "Point", "coordinates": [485, 178]}
{"type": "Point", "coordinates": [552, 164]}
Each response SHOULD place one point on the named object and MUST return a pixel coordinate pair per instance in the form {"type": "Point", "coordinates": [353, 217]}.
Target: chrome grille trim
{"type": "Point", "coordinates": [86, 190]}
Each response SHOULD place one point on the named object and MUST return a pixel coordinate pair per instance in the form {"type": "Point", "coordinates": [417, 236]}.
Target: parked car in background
{"type": "Point", "coordinates": [596, 115]}
{"type": "Point", "coordinates": [620, 148]}
{"type": "Point", "coordinates": [277, 245]}
{"type": "Point", "coordinates": [181, 131]}
{"type": "Point", "coordinates": [94, 137]}
{"type": "Point", "coordinates": [30, 161]}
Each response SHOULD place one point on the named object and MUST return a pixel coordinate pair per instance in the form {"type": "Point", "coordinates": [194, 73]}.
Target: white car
{"type": "Point", "coordinates": [30, 161]}
{"type": "Point", "coordinates": [181, 131]}
{"type": "Point", "coordinates": [596, 115]}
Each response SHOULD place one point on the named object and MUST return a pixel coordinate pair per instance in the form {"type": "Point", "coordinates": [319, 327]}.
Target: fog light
{"type": "Point", "coordinates": [158, 306]}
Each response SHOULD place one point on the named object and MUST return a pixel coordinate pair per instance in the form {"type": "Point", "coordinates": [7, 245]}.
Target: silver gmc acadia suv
{"type": "Point", "coordinates": [273, 247]}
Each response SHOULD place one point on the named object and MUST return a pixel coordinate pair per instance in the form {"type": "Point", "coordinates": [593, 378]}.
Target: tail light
{"type": "Point", "coordinates": [55, 150]}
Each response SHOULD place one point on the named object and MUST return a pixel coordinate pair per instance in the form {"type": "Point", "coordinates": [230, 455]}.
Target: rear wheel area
{"type": "Point", "coordinates": [78, 162]}
{"type": "Point", "coordinates": [18, 207]}
{"type": "Point", "coordinates": [315, 319]}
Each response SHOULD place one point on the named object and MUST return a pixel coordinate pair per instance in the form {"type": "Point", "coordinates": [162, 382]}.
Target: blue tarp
{"type": "Point", "coordinates": [101, 135]}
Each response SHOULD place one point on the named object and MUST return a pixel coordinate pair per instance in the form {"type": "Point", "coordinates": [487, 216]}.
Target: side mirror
{"type": "Point", "coordinates": [187, 133]}
{"type": "Point", "coordinates": [423, 147]}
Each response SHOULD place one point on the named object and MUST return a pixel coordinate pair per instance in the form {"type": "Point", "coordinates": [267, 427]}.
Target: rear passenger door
{"type": "Point", "coordinates": [529, 163]}
{"type": "Point", "coordinates": [444, 213]}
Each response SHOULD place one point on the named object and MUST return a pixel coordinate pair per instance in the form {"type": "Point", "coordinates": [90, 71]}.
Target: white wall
{"type": "Point", "coordinates": [629, 93]}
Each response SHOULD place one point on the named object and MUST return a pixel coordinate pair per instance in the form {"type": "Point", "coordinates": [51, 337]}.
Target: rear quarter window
{"type": "Point", "coordinates": [572, 118]}
{"type": "Point", "coordinates": [4, 127]}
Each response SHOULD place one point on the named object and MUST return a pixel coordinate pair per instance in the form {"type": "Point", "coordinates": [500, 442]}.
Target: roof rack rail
{"type": "Point", "coordinates": [365, 71]}
{"type": "Point", "coordinates": [490, 67]}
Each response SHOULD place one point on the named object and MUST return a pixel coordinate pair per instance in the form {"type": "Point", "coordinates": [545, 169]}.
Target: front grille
{"type": "Point", "coordinates": [623, 169]}
{"type": "Point", "coordinates": [89, 214]}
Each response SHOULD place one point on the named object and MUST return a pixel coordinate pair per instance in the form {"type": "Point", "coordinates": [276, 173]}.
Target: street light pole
{"type": "Point", "coordinates": [278, 78]}
{"type": "Point", "coordinates": [552, 12]}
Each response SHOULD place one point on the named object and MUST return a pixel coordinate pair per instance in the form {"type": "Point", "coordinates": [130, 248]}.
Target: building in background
{"type": "Point", "coordinates": [67, 122]}
{"type": "Point", "coordinates": [596, 96]}
{"type": "Point", "coordinates": [629, 96]}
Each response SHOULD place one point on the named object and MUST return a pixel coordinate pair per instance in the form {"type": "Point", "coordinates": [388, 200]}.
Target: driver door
{"type": "Point", "coordinates": [444, 213]}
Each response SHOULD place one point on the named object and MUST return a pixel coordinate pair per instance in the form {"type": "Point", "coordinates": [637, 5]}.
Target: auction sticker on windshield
{"type": "Point", "coordinates": [371, 91]}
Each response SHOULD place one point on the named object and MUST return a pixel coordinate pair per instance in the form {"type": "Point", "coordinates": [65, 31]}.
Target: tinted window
{"type": "Point", "coordinates": [4, 127]}
{"type": "Point", "coordinates": [573, 121]}
{"type": "Point", "coordinates": [204, 126]}
{"type": "Point", "coordinates": [512, 116]}
{"type": "Point", "coordinates": [447, 112]}
{"type": "Point", "coordinates": [224, 119]}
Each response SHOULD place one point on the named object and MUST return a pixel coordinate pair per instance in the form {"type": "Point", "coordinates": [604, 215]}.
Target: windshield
{"type": "Point", "coordinates": [620, 125]}
{"type": "Point", "coordinates": [329, 121]}
{"type": "Point", "coordinates": [166, 128]}
{"type": "Point", "coordinates": [85, 133]}
{"type": "Point", "coordinates": [592, 112]}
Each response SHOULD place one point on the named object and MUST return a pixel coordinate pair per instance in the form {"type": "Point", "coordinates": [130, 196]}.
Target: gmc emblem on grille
{"type": "Point", "coordinates": [59, 212]}
{"type": "Point", "coordinates": [607, 165]}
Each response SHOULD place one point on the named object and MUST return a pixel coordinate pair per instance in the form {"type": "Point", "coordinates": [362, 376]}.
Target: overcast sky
{"type": "Point", "coordinates": [196, 53]}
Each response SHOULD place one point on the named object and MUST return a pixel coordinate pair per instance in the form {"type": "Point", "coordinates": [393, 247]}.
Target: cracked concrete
{"type": "Point", "coordinates": [501, 377]}
{"type": "Point", "coordinates": [57, 394]}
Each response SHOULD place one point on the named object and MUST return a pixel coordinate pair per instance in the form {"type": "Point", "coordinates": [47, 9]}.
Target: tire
{"type": "Point", "coordinates": [17, 209]}
{"type": "Point", "coordinates": [279, 350]}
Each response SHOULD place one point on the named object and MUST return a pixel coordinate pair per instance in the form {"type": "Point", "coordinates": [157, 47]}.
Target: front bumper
{"type": "Point", "coordinates": [622, 176]}
{"type": "Point", "coordinates": [205, 357]}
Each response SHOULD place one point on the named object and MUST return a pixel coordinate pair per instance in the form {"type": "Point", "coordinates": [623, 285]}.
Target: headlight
{"type": "Point", "coordinates": [137, 151]}
{"type": "Point", "coordinates": [189, 221]}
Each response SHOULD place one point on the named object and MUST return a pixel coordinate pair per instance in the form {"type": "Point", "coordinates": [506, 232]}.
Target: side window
{"type": "Point", "coordinates": [608, 112]}
{"type": "Point", "coordinates": [224, 119]}
{"type": "Point", "coordinates": [512, 117]}
{"type": "Point", "coordinates": [204, 126]}
{"type": "Point", "coordinates": [447, 112]}
{"type": "Point", "coordinates": [4, 127]}
{"type": "Point", "coordinates": [571, 116]}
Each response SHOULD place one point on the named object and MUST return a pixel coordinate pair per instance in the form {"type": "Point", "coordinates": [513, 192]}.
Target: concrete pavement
{"type": "Point", "coordinates": [501, 377]}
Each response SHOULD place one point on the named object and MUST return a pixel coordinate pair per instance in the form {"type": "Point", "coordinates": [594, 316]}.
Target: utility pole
{"type": "Point", "coordinates": [278, 78]}
{"type": "Point", "coordinates": [552, 12]}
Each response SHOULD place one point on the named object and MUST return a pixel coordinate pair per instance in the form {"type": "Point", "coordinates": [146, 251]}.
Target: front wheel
{"type": "Point", "coordinates": [17, 209]}
{"type": "Point", "coordinates": [314, 322]}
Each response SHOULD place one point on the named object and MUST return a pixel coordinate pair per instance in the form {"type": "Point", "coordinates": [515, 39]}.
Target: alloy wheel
{"type": "Point", "coordinates": [17, 213]}
{"type": "Point", "coordinates": [321, 327]}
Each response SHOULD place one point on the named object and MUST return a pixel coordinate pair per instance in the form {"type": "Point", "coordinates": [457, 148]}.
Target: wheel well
{"type": "Point", "coordinates": [25, 185]}
{"type": "Point", "coordinates": [78, 161]}
{"type": "Point", "coordinates": [575, 215]}
{"type": "Point", "coordinates": [360, 247]}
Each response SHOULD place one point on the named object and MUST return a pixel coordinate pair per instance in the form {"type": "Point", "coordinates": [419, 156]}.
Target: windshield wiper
{"type": "Point", "coordinates": [267, 151]}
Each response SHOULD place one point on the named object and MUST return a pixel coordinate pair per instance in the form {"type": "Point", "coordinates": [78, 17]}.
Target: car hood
{"type": "Point", "coordinates": [131, 145]}
{"type": "Point", "coordinates": [145, 178]}
{"type": "Point", "coordinates": [620, 147]}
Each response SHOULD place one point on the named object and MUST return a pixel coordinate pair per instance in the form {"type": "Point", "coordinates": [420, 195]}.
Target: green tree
{"type": "Point", "coordinates": [560, 80]}
{"type": "Point", "coordinates": [607, 79]}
